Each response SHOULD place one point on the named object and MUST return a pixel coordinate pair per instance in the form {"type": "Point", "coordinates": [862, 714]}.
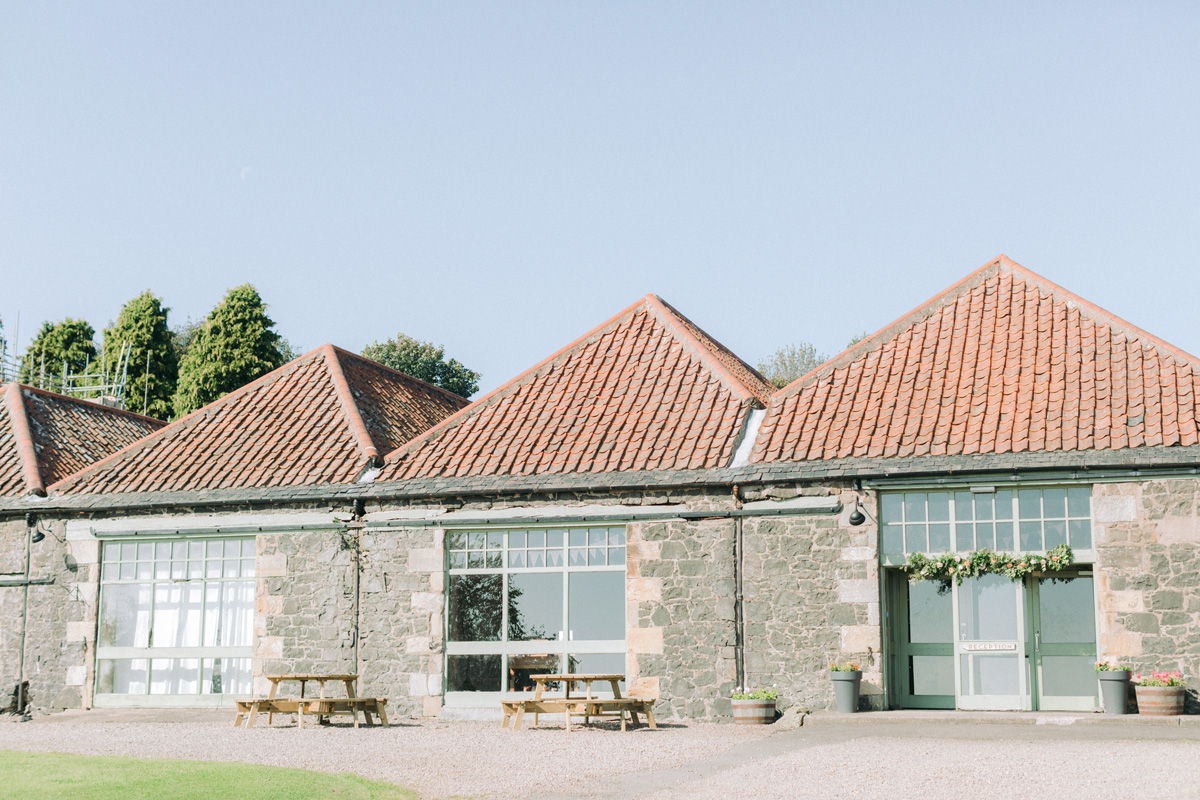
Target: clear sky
{"type": "Point", "coordinates": [500, 177]}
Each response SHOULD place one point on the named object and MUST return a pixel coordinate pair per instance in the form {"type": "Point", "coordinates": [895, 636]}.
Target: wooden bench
{"type": "Point", "coordinates": [586, 707]}
{"type": "Point", "coordinates": [312, 706]}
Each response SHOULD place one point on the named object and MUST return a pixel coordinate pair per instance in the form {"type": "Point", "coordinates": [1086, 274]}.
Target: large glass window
{"type": "Point", "coordinates": [176, 618]}
{"type": "Point", "coordinates": [1005, 520]}
{"type": "Point", "coordinates": [526, 601]}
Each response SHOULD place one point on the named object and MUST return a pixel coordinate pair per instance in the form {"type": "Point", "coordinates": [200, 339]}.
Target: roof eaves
{"type": "Point", "coordinates": [24, 439]}
{"type": "Point", "coordinates": [350, 409]}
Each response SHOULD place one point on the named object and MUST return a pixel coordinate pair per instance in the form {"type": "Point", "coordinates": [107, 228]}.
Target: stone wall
{"type": "Point", "coordinates": [401, 605]}
{"type": "Point", "coordinates": [61, 620]}
{"type": "Point", "coordinates": [811, 589]}
{"type": "Point", "coordinates": [304, 617]}
{"type": "Point", "coordinates": [1147, 538]}
{"type": "Point", "coordinates": [12, 565]}
{"type": "Point", "coordinates": [680, 615]}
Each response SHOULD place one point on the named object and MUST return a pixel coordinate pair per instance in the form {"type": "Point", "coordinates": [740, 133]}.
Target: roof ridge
{"type": "Point", "coordinates": [350, 409]}
{"type": "Point", "coordinates": [90, 404]}
{"type": "Point", "coordinates": [24, 438]}
{"type": "Point", "coordinates": [502, 391]}
{"type": "Point", "coordinates": [379, 365]}
{"type": "Point", "coordinates": [923, 311]}
{"type": "Point", "coordinates": [188, 420]}
{"type": "Point", "coordinates": [679, 323]}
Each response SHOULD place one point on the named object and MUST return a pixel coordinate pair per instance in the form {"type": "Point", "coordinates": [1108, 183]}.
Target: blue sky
{"type": "Point", "coordinates": [500, 177]}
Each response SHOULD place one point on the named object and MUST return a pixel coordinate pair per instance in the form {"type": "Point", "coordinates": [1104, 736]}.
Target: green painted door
{"type": "Point", "coordinates": [923, 643]}
{"type": "Point", "coordinates": [1062, 647]}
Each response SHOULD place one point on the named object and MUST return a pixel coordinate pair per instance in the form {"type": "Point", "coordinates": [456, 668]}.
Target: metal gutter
{"type": "Point", "coordinates": [460, 522]}
{"type": "Point", "coordinates": [26, 581]}
{"type": "Point", "coordinates": [218, 529]}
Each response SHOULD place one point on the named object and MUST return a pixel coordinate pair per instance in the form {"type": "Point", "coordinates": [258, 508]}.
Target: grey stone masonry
{"type": "Point", "coordinates": [680, 632]}
{"type": "Point", "coordinates": [1147, 538]}
{"type": "Point", "coordinates": [304, 611]}
{"type": "Point", "coordinates": [811, 596]}
{"type": "Point", "coordinates": [401, 598]}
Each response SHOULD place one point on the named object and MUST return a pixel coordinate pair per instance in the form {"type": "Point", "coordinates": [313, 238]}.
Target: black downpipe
{"type": "Point", "coordinates": [739, 616]}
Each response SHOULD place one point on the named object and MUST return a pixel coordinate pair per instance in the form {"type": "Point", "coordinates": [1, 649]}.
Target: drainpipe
{"type": "Point", "coordinates": [22, 695]}
{"type": "Point", "coordinates": [357, 528]}
{"type": "Point", "coordinates": [739, 616]}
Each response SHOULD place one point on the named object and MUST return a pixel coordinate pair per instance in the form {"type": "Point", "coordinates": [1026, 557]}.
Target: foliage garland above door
{"type": "Point", "coordinates": [957, 566]}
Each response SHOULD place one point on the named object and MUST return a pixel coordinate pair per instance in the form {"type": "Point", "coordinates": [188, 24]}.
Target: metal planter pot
{"type": "Point", "coordinates": [846, 687]}
{"type": "Point", "coordinates": [1159, 701]}
{"type": "Point", "coordinates": [753, 712]}
{"type": "Point", "coordinates": [1114, 689]}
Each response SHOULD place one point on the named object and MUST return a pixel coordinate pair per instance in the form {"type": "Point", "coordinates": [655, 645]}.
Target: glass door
{"type": "Point", "coordinates": [1063, 646]}
{"type": "Point", "coordinates": [989, 663]}
{"type": "Point", "coordinates": [924, 642]}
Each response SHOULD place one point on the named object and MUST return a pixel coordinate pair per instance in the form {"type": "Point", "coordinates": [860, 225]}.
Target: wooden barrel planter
{"type": "Point", "coordinates": [753, 712]}
{"type": "Point", "coordinates": [1159, 701]}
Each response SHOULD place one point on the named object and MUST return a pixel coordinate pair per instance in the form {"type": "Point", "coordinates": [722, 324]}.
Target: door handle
{"type": "Point", "coordinates": [1037, 641]}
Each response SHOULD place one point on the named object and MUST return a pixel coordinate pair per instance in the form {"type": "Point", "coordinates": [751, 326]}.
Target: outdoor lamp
{"type": "Point", "coordinates": [857, 517]}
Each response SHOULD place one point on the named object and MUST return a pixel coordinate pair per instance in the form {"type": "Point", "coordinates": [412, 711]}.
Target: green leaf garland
{"type": "Point", "coordinates": [956, 566]}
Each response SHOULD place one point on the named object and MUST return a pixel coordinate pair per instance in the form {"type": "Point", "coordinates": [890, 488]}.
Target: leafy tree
{"type": "Point", "coordinates": [235, 345]}
{"type": "Point", "coordinates": [790, 362]}
{"type": "Point", "coordinates": [142, 324]}
{"type": "Point", "coordinates": [426, 362]}
{"type": "Point", "coordinates": [69, 341]}
{"type": "Point", "coordinates": [183, 336]}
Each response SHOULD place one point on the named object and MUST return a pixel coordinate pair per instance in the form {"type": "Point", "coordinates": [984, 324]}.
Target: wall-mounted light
{"type": "Point", "coordinates": [39, 531]}
{"type": "Point", "coordinates": [857, 517]}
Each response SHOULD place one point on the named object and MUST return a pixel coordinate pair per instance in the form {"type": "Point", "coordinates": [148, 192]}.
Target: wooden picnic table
{"type": "Point", "coordinates": [587, 706]}
{"type": "Point", "coordinates": [322, 706]}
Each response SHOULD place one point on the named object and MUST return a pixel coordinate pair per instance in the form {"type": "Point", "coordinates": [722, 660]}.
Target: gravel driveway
{"type": "Point", "coordinates": [443, 759]}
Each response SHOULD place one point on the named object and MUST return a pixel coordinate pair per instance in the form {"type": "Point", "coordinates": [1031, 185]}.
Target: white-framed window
{"type": "Point", "coordinates": [1032, 519]}
{"type": "Point", "coordinates": [176, 619]}
{"type": "Point", "coordinates": [523, 601]}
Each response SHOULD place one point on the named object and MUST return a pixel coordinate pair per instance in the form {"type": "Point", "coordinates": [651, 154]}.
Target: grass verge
{"type": "Point", "coordinates": [59, 775]}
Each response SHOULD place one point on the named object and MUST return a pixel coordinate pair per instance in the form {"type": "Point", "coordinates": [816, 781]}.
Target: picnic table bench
{"type": "Point", "coordinates": [321, 707]}
{"type": "Point", "coordinates": [587, 706]}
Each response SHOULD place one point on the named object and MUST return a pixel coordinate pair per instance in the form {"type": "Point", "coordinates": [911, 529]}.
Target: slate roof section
{"type": "Point", "coordinates": [1002, 362]}
{"type": "Point", "coordinates": [321, 419]}
{"type": "Point", "coordinates": [44, 437]}
{"type": "Point", "coordinates": [646, 390]}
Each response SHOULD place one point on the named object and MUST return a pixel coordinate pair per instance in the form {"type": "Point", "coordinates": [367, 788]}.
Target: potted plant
{"type": "Point", "coordinates": [1159, 694]}
{"type": "Point", "coordinates": [1114, 686]}
{"type": "Point", "coordinates": [754, 706]}
{"type": "Point", "coordinates": [847, 682]}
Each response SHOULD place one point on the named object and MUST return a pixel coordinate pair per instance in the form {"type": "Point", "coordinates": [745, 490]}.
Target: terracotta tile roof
{"type": "Point", "coordinates": [646, 390]}
{"type": "Point", "coordinates": [46, 436]}
{"type": "Point", "coordinates": [1002, 362]}
{"type": "Point", "coordinates": [322, 419]}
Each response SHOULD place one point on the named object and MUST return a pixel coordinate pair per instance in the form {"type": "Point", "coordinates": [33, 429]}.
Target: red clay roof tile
{"type": "Point", "coordinates": [1002, 361]}
{"type": "Point", "coordinates": [646, 390]}
{"type": "Point", "coordinates": [321, 419]}
{"type": "Point", "coordinates": [46, 436]}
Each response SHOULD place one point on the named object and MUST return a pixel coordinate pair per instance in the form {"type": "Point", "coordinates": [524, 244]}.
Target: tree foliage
{"type": "Point", "coordinates": [56, 343]}
{"type": "Point", "coordinates": [142, 324]}
{"type": "Point", "coordinates": [424, 361]}
{"type": "Point", "coordinates": [235, 345]}
{"type": "Point", "coordinates": [790, 362]}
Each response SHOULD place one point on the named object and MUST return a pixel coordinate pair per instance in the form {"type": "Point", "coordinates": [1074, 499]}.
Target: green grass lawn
{"type": "Point", "coordinates": [52, 775]}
